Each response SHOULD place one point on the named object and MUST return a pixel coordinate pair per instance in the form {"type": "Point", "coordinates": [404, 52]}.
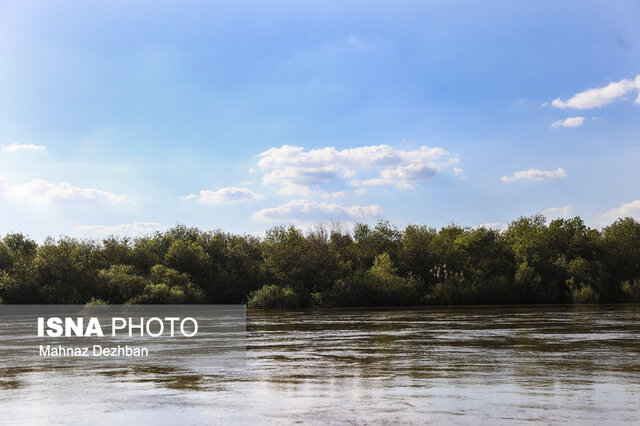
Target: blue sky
{"type": "Point", "coordinates": [121, 118]}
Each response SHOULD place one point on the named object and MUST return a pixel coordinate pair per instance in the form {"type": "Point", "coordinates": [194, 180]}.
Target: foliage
{"type": "Point", "coordinates": [378, 286]}
{"type": "Point", "coordinates": [273, 297]}
{"type": "Point", "coordinates": [168, 286]}
{"type": "Point", "coordinates": [631, 291]}
{"type": "Point", "coordinates": [120, 283]}
{"type": "Point", "coordinates": [585, 295]}
{"type": "Point", "coordinates": [532, 261]}
{"type": "Point", "coordinates": [96, 302]}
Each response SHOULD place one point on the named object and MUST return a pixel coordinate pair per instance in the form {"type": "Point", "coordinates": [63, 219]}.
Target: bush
{"type": "Point", "coordinates": [273, 297]}
{"type": "Point", "coordinates": [96, 302]}
{"type": "Point", "coordinates": [168, 286]}
{"type": "Point", "coordinates": [631, 291]}
{"type": "Point", "coordinates": [379, 286]}
{"type": "Point", "coordinates": [158, 294]}
{"type": "Point", "coordinates": [584, 295]}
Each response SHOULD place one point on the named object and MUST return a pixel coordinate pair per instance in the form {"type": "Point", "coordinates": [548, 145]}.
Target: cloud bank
{"type": "Point", "coordinates": [301, 173]}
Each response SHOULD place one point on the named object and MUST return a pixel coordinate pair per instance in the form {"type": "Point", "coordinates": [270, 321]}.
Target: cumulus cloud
{"type": "Point", "coordinates": [568, 122]}
{"type": "Point", "coordinates": [298, 171]}
{"type": "Point", "coordinates": [23, 147]}
{"type": "Point", "coordinates": [43, 193]}
{"type": "Point", "coordinates": [631, 209]}
{"type": "Point", "coordinates": [595, 98]}
{"type": "Point", "coordinates": [128, 228]}
{"type": "Point", "coordinates": [224, 196]}
{"type": "Point", "coordinates": [535, 174]}
{"type": "Point", "coordinates": [300, 211]}
{"type": "Point", "coordinates": [403, 176]}
{"type": "Point", "coordinates": [296, 181]}
{"type": "Point", "coordinates": [559, 212]}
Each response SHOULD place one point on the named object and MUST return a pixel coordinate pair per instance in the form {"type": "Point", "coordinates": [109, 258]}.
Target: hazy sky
{"type": "Point", "coordinates": [133, 116]}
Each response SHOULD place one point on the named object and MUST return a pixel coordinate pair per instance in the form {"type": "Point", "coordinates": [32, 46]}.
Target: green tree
{"type": "Point", "coordinates": [168, 286]}
{"type": "Point", "coordinates": [120, 283]}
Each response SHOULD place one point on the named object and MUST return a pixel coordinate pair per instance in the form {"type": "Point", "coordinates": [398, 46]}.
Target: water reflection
{"type": "Point", "coordinates": [460, 365]}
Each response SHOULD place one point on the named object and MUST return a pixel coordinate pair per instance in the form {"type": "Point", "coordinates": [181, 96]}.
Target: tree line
{"type": "Point", "coordinates": [531, 261]}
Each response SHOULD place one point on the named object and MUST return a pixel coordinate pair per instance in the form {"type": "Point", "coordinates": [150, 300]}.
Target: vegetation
{"type": "Point", "coordinates": [531, 261]}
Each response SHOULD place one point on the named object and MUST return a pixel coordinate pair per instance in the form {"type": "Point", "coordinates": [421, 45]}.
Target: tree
{"type": "Point", "coordinates": [168, 286]}
{"type": "Point", "coordinates": [621, 243]}
{"type": "Point", "coordinates": [416, 255]}
{"type": "Point", "coordinates": [120, 283]}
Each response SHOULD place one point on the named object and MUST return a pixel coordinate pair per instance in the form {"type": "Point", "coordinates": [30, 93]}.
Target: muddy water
{"type": "Point", "coordinates": [485, 365]}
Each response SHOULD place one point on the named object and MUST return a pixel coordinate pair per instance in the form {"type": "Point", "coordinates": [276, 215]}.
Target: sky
{"type": "Point", "coordinates": [130, 117]}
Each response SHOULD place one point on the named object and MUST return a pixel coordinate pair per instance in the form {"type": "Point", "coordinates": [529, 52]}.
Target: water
{"type": "Point", "coordinates": [486, 365]}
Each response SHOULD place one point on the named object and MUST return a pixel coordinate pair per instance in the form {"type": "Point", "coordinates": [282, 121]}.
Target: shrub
{"type": "Point", "coordinates": [168, 286]}
{"type": "Point", "coordinates": [379, 286]}
{"type": "Point", "coordinates": [158, 294]}
{"type": "Point", "coordinates": [96, 302]}
{"type": "Point", "coordinates": [631, 291]}
{"type": "Point", "coordinates": [273, 297]}
{"type": "Point", "coordinates": [584, 295]}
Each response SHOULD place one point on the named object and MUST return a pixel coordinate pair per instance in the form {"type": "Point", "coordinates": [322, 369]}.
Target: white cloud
{"type": "Point", "coordinates": [534, 174]}
{"type": "Point", "coordinates": [337, 194]}
{"type": "Point", "coordinates": [23, 147]}
{"type": "Point", "coordinates": [297, 181]}
{"type": "Point", "coordinates": [128, 228]}
{"type": "Point", "coordinates": [491, 225]}
{"type": "Point", "coordinates": [631, 209]}
{"type": "Point", "coordinates": [568, 122]}
{"type": "Point", "coordinates": [298, 171]}
{"type": "Point", "coordinates": [559, 212]}
{"type": "Point", "coordinates": [299, 211]}
{"type": "Point", "coordinates": [224, 196]}
{"type": "Point", "coordinates": [43, 193]}
{"type": "Point", "coordinates": [595, 98]}
{"type": "Point", "coordinates": [403, 176]}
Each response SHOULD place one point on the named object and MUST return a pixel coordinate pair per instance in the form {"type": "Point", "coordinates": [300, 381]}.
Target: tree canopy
{"type": "Point", "coordinates": [531, 261]}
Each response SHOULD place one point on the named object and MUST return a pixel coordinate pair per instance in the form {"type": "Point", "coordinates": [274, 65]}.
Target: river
{"type": "Point", "coordinates": [468, 365]}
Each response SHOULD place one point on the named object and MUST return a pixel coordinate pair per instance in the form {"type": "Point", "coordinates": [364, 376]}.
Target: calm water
{"type": "Point", "coordinates": [486, 365]}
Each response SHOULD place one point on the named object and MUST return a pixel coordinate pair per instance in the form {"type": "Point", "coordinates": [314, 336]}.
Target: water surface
{"type": "Point", "coordinates": [482, 365]}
